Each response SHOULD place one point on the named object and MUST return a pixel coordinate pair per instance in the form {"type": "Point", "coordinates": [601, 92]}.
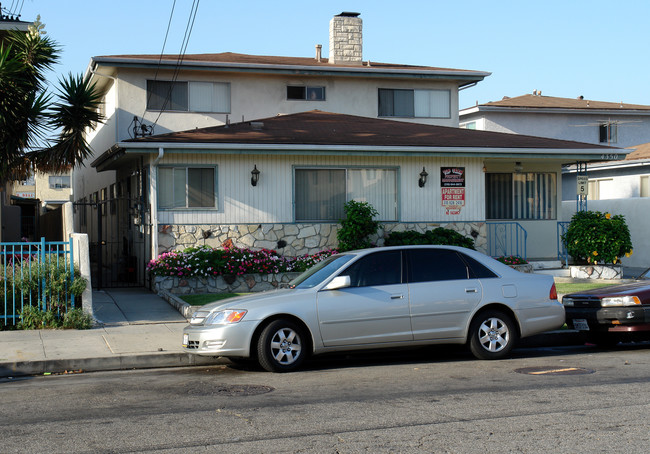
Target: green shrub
{"type": "Point", "coordinates": [357, 226]}
{"type": "Point", "coordinates": [24, 281]}
{"type": "Point", "coordinates": [594, 237]}
{"type": "Point", "coordinates": [439, 235]}
{"type": "Point", "coordinates": [32, 317]}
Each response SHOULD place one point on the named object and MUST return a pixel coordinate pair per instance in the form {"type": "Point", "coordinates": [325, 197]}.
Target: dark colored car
{"type": "Point", "coordinates": [609, 315]}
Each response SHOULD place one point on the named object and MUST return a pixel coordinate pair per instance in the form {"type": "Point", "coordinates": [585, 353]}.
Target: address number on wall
{"type": "Point", "coordinates": [609, 157]}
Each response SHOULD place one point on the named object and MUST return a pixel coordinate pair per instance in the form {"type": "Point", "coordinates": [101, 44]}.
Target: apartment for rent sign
{"type": "Point", "coordinates": [452, 182]}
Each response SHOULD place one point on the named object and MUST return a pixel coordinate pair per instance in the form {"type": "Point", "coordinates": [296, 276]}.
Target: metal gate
{"type": "Point", "coordinates": [118, 240]}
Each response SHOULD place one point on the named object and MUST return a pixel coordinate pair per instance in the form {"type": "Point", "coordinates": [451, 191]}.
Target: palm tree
{"type": "Point", "coordinates": [29, 115]}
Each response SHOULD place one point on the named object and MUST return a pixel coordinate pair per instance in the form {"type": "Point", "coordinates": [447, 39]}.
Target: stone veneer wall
{"type": "Point", "coordinates": [293, 239]}
{"type": "Point", "coordinates": [246, 283]}
{"type": "Point", "coordinates": [596, 271]}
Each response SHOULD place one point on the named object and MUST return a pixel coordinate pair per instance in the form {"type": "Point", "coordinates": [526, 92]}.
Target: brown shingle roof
{"type": "Point", "coordinates": [551, 102]}
{"type": "Point", "coordinates": [641, 152]}
{"type": "Point", "coordinates": [324, 128]}
{"type": "Point", "coordinates": [245, 59]}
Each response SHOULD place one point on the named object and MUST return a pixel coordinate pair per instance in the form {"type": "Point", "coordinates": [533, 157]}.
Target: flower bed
{"type": "Point", "coordinates": [206, 262]}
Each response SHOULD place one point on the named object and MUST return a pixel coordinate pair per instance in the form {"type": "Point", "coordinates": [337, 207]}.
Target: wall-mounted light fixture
{"type": "Point", "coordinates": [255, 176]}
{"type": "Point", "coordinates": [518, 167]}
{"type": "Point", "coordinates": [423, 178]}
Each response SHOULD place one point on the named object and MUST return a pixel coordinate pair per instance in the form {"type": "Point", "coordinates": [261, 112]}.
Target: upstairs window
{"type": "Point", "coordinates": [414, 103]}
{"type": "Point", "coordinates": [300, 93]}
{"type": "Point", "coordinates": [188, 96]}
{"type": "Point", "coordinates": [59, 181]}
{"type": "Point", "coordinates": [607, 133]}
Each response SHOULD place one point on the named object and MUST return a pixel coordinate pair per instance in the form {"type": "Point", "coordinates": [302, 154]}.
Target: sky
{"type": "Point", "coordinates": [591, 48]}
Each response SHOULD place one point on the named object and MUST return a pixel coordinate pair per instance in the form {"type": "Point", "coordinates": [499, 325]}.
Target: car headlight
{"type": "Point", "coordinates": [620, 301]}
{"type": "Point", "coordinates": [224, 317]}
{"type": "Point", "coordinates": [567, 301]}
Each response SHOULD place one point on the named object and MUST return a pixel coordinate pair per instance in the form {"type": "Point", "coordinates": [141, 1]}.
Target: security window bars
{"type": "Point", "coordinates": [414, 103]}
{"type": "Point", "coordinates": [321, 193]}
{"type": "Point", "coordinates": [187, 187]}
{"type": "Point", "coordinates": [521, 195]}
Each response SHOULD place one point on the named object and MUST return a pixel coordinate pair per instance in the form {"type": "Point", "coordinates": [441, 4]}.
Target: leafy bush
{"type": "Point", "coordinates": [24, 279]}
{"type": "Point", "coordinates": [205, 261]}
{"type": "Point", "coordinates": [439, 235]}
{"type": "Point", "coordinates": [594, 237]}
{"type": "Point", "coordinates": [357, 226]}
{"type": "Point", "coordinates": [512, 260]}
{"type": "Point", "coordinates": [34, 318]}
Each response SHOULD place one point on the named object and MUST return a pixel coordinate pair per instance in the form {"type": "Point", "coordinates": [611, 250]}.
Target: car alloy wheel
{"type": "Point", "coordinates": [280, 346]}
{"type": "Point", "coordinates": [492, 335]}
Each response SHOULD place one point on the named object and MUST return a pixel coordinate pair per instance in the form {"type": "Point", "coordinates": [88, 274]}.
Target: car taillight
{"type": "Point", "coordinates": [553, 294]}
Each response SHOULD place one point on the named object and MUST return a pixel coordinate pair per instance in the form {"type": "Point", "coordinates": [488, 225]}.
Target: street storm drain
{"type": "Point", "coordinates": [229, 390]}
{"type": "Point", "coordinates": [554, 371]}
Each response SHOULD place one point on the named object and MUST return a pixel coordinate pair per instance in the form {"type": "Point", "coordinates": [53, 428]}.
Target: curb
{"type": "Point", "coordinates": [106, 363]}
{"type": "Point", "coordinates": [181, 306]}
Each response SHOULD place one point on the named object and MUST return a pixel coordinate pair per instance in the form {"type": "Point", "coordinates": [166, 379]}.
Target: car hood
{"type": "Point", "coordinates": [252, 301]}
{"type": "Point", "coordinates": [633, 288]}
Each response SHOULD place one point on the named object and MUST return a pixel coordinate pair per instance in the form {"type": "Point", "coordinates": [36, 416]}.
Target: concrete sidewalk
{"type": "Point", "coordinates": [137, 329]}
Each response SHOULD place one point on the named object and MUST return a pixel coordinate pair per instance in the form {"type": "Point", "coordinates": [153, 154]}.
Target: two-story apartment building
{"type": "Point", "coordinates": [264, 151]}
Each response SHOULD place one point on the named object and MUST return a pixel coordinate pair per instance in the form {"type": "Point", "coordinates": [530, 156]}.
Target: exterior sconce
{"type": "Point", "coordinates": [255, 176]}
{"type": "Point", "coordinates": [518, 167]}
{"type": "Point", "coordinates": [423, 178]}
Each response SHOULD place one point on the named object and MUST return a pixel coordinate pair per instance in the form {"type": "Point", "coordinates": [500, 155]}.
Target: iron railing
{"type": "Point", "coordinates": [506, 238]}
{"type": "Point", "coordinates": [24, 276]}
{"type": "Point", "coordinates": [562, 253]}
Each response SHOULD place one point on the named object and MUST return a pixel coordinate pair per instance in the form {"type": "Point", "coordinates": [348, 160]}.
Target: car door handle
{"type": "Point", "coordinates": [471, 290]}
{"type": "Point", "coordinates": [396, 297]}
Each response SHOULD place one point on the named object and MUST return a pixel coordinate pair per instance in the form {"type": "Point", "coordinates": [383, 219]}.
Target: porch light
{"type": "Point", "coordinates": [255, 176]}
{"type": "Point", "coordinates": [423, 178]}
{"type": "Point", "coordinates": [518, 167]}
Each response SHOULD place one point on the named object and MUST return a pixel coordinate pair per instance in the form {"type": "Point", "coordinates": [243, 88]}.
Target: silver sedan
{"type": "Point", "coordinates": [381, 298]}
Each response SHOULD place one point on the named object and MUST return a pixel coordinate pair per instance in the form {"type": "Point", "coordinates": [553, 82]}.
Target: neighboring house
{"type": "Point", "coordinates": [264, 152]}
{"type": "Point", "coordinates": [40, 198]}
{"type": "Point", "coordinates": [622, 185]}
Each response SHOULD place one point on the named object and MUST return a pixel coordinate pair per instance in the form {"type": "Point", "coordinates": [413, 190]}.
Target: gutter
{"type": "Point", "coordinates": [363, 71]}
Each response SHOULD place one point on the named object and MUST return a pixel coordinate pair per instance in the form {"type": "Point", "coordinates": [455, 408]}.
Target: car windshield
{"type": "Point", "coordinates": [321, 271]}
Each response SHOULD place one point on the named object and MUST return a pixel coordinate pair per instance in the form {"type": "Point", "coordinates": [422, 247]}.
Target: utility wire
{"type": "Point", "coordinates": [179, 61]}
{"type": "Point", "coordinates": [162, 52]}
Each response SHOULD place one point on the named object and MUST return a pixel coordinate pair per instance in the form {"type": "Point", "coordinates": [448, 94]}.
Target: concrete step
{"type": "Point", "coordinates": [545, 264]}
{"type": "Point", "coordinates": [556, 272]}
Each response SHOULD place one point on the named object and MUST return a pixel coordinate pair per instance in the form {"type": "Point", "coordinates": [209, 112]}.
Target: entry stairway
{"type": "Point", "coordinates": [552, 267]}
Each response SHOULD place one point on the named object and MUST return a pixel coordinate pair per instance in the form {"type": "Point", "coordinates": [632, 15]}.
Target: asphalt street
{"type": "Point", "coordinates": [556, 399]}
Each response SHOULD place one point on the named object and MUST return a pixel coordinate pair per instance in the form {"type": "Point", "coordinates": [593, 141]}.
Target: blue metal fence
{"type": "Point", "coordinates": [562, 253]}
{"type": "Point", "coordinates": [506, 238]}
{"type": "Point", "coordinates": [23, 276]}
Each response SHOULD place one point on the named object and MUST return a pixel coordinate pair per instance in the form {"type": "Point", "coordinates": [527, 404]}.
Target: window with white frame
{"type": "Point", "coordinates": [600, 189]}
{"type": "Point", "coordinates": [59, 181]}
{"type": "Point", "coordinates": [521, 195]}
{"type": "Point", "coordinates": [303, 93]}
{"type": "Point", "coordinates": [187, 187]}
{"type": "Point", "coordinates": [188, 96]}
{"type": "Point", "coordinates": [414, 103]}
{"type": "Point", "coordinates": [644, 190]}
{"type": "Point", "coordinates": [321, 193]}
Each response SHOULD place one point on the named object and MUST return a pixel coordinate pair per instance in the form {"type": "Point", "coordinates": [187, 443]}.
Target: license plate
{"type": "Point", "coordinates": [186, 338]}
{"type": "Point", "coordinates": [580, 324]}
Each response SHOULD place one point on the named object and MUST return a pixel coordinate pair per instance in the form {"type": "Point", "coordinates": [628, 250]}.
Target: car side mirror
{"type": "Point", "coordinates": [338, 282]}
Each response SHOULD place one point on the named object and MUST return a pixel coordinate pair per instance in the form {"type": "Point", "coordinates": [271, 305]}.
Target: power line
{"type": "Point", "coordinates": [179, 61]}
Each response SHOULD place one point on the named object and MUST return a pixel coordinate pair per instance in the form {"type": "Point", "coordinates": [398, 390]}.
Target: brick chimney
{"type": "Point", "coordinates": [346, 41]}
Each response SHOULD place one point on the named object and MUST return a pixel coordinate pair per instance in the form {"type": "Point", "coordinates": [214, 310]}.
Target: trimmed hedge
{"type": "Point", "coordinates": [439, 236]}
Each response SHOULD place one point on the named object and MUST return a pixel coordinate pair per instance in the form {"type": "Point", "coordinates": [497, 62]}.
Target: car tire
{"type": "Point", "coordinates": [492, 335]}
{"type": "Point", "coordinates": [282, 346]}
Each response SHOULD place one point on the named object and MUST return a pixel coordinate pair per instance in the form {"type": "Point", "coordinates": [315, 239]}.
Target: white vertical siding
{"type": "Point", "coordinates": [271, 201]}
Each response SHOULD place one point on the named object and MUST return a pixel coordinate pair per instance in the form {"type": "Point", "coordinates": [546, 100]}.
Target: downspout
{"type": "Point", "coordinates": [117, 117]}
{"type": "Point", "coordinates": [153, 197]}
